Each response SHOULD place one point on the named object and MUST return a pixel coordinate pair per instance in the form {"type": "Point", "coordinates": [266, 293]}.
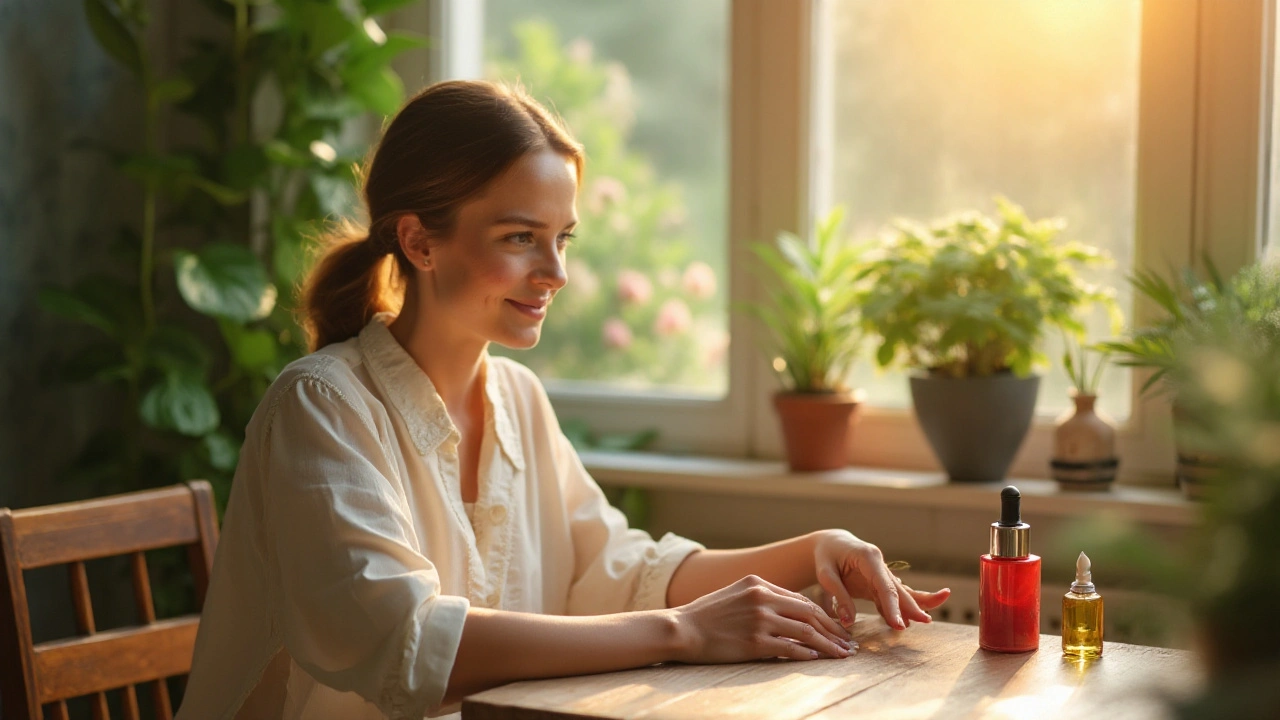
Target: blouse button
{"type": "Point", "coordinates": [498, 513]}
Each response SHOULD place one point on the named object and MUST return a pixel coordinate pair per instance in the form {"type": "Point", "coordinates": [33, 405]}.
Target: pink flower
{"type": "Point", "coordinates": [616, 334]}
{"type": "Point", "coordinates": [700, 280]}
{"type": "Point", "coordinates": [634, 288]}
{"type": "Point", "coordinates": [604, 192]}
{"type": "Point", "coordinates": [674, 318]}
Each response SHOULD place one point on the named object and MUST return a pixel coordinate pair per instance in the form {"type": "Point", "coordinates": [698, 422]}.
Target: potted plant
{"type": "Point", "coordinates": [812, 316]}
{"type": "Point", "coordinates": [964, 302]}
{"type": "Point", "coordinates": [1084, 443]}
{"type": "Point", "coordinates": [1192, 308]}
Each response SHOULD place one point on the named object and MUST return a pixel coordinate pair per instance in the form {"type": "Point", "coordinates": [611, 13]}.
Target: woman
{"type": "Point", "coordinates": [408, 524]}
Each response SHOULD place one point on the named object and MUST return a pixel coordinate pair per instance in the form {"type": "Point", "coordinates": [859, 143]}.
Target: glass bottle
{"type": "Point", "coordinates": [1009, 583]}
{"type": "Point", "coordinates": [1082, 615]}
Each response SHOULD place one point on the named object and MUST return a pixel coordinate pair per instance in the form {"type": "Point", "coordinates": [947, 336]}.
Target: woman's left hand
{"type": "Point", "coordinates": [850, 568]}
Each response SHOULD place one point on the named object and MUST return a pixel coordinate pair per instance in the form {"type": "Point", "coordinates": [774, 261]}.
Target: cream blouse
{"type": "Point", "coordinates": [347, 561]}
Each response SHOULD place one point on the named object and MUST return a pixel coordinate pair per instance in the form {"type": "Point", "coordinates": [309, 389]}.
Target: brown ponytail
{"type": "Point", "coordinates": [443, 147]}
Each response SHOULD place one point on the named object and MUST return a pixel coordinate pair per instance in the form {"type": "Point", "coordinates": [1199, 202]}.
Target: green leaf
{"type": "Point", "coordinates": [181, 403]}
{"type": "Point", "coordinates": [99, 301]}
{"type": "Point", "coordinates": [174, 348]}
{"type": "Point", "coordinates": [378, 7]}
{"type": "Point", "coordinates": [173, 90]}
{"type": "Point", "coordinates": [225, 281]}
{"type": "Point", "coordinates": [324, 26]}
{"type": "Point", "coordinates": [373, 57]}
{"type": "Point", "coordinates": [282, 153]}
{"type": "Point", "coordinates": [113, 35]}
{"type": "Point", "coordinates": [223, 452]}
{"type": "Point", "coordinates": [289, 245]}
{"type": "Point", "coordinates": [381, 91]}
{"type": "Point", "coordinates": [251, 349]}
{"type": "Point", "coordinates": [244, 167]}
{"type": "Point", "coordinates": [220, 193]}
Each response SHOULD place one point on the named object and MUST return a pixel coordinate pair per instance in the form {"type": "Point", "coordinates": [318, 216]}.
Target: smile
{"type": "Point", "coordinates": [536, 312]}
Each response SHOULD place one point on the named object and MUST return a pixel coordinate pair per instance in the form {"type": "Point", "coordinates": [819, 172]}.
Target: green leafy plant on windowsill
{"type": "Point", "coordinates": [972, 295]}
{"type": "Point", "coordinates": [812, 311]}
{"type": "Point", "coordinates": [1189, 304]}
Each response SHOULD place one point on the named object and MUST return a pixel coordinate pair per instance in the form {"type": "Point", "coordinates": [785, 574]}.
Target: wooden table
{"type": "Point", "coordinates": [931, 671]}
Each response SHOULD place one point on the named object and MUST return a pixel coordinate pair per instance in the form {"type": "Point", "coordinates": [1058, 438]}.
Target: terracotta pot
{"type": "Point", "coordinates": [816, 428]}
{"type": "Point", "coordinates": [1084, 448]}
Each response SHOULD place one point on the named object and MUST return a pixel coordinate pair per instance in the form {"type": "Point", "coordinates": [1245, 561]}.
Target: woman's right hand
{"type": "Point", "coordinates": [754, 619]}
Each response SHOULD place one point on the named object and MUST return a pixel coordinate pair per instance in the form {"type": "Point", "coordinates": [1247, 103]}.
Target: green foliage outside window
{"type": "Point", "coordinates": [641, 306]}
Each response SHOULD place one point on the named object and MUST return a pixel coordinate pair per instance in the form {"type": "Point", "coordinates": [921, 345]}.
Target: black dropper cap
{"type": "Point", "coordinates": [1010, 538]}
{"type": "Point", "coordinates": [1010, 507]}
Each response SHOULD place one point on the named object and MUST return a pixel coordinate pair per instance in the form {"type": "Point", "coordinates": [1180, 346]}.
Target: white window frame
{"type": "Point", "coordinates": [1203, 130]}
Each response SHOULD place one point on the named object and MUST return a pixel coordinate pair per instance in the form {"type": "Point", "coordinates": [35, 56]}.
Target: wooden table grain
{"type": "Point", "coordinates": [934, 671]}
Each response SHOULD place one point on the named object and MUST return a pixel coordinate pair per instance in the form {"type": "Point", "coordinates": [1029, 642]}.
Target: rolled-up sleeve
{"type": "Point", "coordinates": [616, 568]}
{"type": "Point", "coordinates": [359, 607]}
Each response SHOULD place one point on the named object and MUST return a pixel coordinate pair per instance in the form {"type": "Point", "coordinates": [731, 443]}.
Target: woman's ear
{"type": "Point", "coordinates": [413, 240]}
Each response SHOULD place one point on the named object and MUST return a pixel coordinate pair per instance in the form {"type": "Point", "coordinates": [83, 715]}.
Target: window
{"type": "Point", "coordinates": [1138, 122]}
{"type": "Point", "coordinates": [643, 86]}
{"type": "Point", "coordinates": [934, 107]}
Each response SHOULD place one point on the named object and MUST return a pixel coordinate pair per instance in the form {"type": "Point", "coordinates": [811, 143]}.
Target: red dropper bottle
{"type": "Point", "coordinates": [1009, 583]}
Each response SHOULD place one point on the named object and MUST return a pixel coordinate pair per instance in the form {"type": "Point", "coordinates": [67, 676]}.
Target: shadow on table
{"type": "Point", "coordinates": [985, 676]}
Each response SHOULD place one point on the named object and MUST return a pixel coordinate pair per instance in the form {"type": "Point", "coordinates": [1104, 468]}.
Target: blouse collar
{"type": "Point", "coordinates": [415, 397]}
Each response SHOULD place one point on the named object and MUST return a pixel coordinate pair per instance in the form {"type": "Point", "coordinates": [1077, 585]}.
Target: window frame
{"type": "Point", "coordinates": [1203, 142]}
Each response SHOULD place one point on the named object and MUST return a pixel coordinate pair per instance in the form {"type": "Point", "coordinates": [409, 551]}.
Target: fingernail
{"type": "Point", "coordinates": [844, 617]}
{"type": "Point", "coordinates": [813, 654]}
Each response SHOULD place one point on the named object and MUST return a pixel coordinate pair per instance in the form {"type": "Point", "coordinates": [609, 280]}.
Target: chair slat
{"type": "Point", "coordinates": [129, 703]}
{"type": "Point", "coordinates": [80, 598]}
{"type": "Point", "coordinates": [60, 710]}
{"type": "Point", "coordinates": [200, 557]}
{"type": "Point", "coordinates": [164, 708]}
{"type": "Point", "coordinates": [100, 711]}
{"type": "Point", "coordinates": [112, 659]}
{"type": "Point", "coordinates": [117, 525]}
{"type": "Point", "coordinates": [142, 589]}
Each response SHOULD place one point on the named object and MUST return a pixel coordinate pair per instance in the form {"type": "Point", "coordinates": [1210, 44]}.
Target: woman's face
{"type": "Point", "coordinates": [497, 274]}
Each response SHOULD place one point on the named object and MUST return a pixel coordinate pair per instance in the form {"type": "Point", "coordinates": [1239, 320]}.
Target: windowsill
{"type": "Point", "coordinates": [764, 478]}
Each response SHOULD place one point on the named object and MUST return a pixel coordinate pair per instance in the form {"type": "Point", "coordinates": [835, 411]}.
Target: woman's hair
{"type": "Point", "coordinates": [443, 147]}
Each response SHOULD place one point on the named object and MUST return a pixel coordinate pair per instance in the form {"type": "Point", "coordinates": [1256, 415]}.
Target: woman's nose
{"type": "Point", "coordinates": [551, 272]}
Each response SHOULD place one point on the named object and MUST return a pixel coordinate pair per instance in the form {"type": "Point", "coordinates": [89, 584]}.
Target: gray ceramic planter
{"type": "Point", "coordinates": [975, 425]}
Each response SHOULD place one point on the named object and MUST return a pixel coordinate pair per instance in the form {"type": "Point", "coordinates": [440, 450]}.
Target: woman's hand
{"type": "Point", "coordinates": [850, 568]}
{"type": "Point", "coordinates": [754, 619]}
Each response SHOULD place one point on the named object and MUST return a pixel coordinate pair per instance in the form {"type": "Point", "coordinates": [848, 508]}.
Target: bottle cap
{"type": "Point", "coordinates": [1010, 538]}
{"type": "Point", "coordinates": [1084, 576]}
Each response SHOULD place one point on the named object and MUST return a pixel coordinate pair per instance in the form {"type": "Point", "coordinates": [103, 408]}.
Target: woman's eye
{"type": "Point", "coordinates": [566, 239]}
{"type": "Point", "coordinates": [521, 238]}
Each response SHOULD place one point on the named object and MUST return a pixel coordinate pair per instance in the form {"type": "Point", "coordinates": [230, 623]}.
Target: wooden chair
{"type": "Point", "coordinates": [49, 673]}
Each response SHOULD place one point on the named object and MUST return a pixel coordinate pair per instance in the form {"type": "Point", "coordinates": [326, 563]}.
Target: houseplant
{"type": "Point", "coordinates": [812, 316]}
{"type": "Point", "coordinates": [964, 302]}
{"type": "Point", "coordinates": [1084, 443]}
{"type": "Point", "coordinates": [1192, 309]}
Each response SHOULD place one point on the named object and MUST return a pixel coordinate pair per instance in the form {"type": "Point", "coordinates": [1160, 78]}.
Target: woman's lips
{"type": "Point", "coordinates": [536, 312]}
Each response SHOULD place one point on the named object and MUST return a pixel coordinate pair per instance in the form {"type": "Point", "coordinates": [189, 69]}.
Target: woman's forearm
{"type": "Point", "coordinates": [499, 647]}
{"type": "Point", "coordinates": [786, 563]}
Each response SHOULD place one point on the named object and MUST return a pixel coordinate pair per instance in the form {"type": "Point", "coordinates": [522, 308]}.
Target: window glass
{"type": "Point", "coordinates": [644, 87]}
{"type": "Point", "coordinates": [933, 106]}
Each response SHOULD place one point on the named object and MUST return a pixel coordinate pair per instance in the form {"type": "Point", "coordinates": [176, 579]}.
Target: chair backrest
{"type": "Point", "coordinates": [49, 673]}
